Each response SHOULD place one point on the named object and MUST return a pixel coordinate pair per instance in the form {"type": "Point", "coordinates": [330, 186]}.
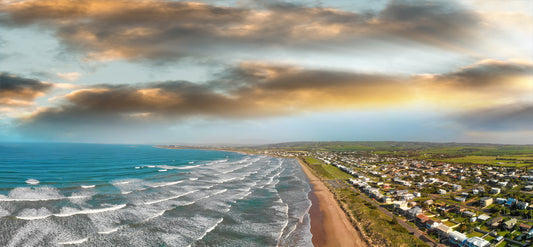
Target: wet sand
{"type": "Point", "coordinates": [329, 224]}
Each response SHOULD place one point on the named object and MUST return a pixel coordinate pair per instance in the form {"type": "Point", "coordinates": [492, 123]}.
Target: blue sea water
{"type": "Point", "coordinates": [122, 195]}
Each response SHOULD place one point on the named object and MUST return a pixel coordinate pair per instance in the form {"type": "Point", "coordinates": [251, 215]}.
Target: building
{"type": "Point", "coordinates": [495, 191]}
{"type": "Point", "coordinates": [483, 217]}
{"type": "Point", "coordinates": [413, 212]}
{"type": "Point", "coordinates": [469, 214]}
{"type": "Point", "coordinates": [494, 222]}
{"type": "Point", "coordinates": [508, 225]}
{"type": "Point", "coordinates": [500, 200]}
{"type": "Point", "coordinates": [522, 205]}
{"type": "Point", "coordinates": [457, 238]}
{"type": "Point", "coordinates": [524, 227]}
{"type": "Point", "coordinates": [485, 201]}
{"type": "Point", "coordinates": [442, 192]}
{"type": "Point", "coordinates": [421, 219]}
{"type": "Point", "coordinates": [476, 242]}
{"type": "Point", "coordinates": [443, 231]}
{"type": "Point", "coordinates": [510, 202]}
{"type": "Point", "coordinates": [432, 224]}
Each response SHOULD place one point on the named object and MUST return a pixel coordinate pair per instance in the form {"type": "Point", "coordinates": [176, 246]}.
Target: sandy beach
{"type": "Point", "coordinates": [329, 224]}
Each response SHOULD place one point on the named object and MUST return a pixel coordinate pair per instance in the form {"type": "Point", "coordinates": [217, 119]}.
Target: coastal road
{"type": "Point", "coordinates": [419, 234]}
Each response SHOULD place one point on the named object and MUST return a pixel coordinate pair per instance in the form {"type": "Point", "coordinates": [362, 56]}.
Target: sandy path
{"type": "Point", "coordinates": [329, 224]}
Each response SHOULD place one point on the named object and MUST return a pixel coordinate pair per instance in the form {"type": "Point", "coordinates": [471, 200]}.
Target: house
{"type": "Point", "coordinates": [469, 214]}
{"type": "Point", "coordinates": [475, 192]}
{"type": "Point", "coordinates": [524, 227]}
{"type": "Point", "coordinates": [494, 222]}
{"type": "Point", "coordinates": [476, 242]}
{"type": "Point", "coordinates": [421, 219]}
{"type": "Point", "coordinates": [495, 191]}
{"type": "Point", "coordinates": [460, 199]}
{"type": "Point", "coordinates": [508, 225]}
{"type": "Point", "coordinates": [432, 224]}
{"type": "Point", "coordinates": [443, 230]}
{"type": "Point", "coordinates": [483, 217]}
{"type": "Point", "coordinates": [386, 200]}
{"type": "Point", "coordinates": [457, 187]}
{"type": "Point", "coordinates": [510, 202]}
{"type": "Point", "coordinates": [457, 238]}
{"type": "Point", "coordinates": [522, 205]}
{"type": "Point", "coordinates": [413, 212]}
{"type": "Point", "coordinates": [500, 200]}
{"type": "Point", "coordinates": [485, 201]}
{"type": "Point", "coordinates": [442, 192]}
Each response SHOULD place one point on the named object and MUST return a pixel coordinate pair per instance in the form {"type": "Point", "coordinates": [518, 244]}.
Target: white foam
{"type": "Point", "coordinates": [166, 184]}
{"type": "Point", "coordinates": [79, 241]}
{"type": "Point", "coordinates": [34, 214]}
{"type": "Point", "coordinates": [151, 166]}
{"type": "Point", "coordinates": [4, 199]}
{"type": "Point", "coordinates": [87, 186]}
{"type": "Point", "coordinates": [66, 212]}
{"type": "Point", "coordinates": [155, 216]}
{"type": "Point", "coordinates": [179, 167]}
{"type": "Point", "coordinates": [109, 231]}
{"type": "Point", "coordinates": [162, 170]}
{"type": "Point", "coordinates": [170, 198]}
{"type": "Point", "coordinates": [191, 162]}
{"type": "Point", "coordinates": [3, 212]}
{"type": "Point", "coordinates": [210, 229]}
{"type": "Point", "coordinates": [137, 167]}
{"type": "Point", "coordinates": [32, 181]}
{"type": "Point", "coordinates": [121, 182]}
{"type": "Point", "coordinates": [193, 179]}
{"type": "Point", "coordinates": [90, 211]}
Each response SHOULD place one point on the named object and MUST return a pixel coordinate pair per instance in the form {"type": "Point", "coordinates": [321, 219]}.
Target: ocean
{"type": "Point", "coordinates": [126, 195]}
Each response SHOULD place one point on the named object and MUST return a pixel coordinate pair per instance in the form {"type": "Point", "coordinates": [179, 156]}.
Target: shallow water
{"type": "Point", "coordinates": [118, 195]}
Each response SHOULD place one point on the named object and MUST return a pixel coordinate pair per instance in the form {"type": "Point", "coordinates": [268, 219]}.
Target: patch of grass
{"type": "Point", "coordinates": [381, 228]}
{"type": "Point", "coordinates": [326, 171]}
{"type": "Point", "coordinates": [336, 172]}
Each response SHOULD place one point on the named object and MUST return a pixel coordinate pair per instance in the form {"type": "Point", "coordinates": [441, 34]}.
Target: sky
{"type": "Point", "coordinates": [255, 72]}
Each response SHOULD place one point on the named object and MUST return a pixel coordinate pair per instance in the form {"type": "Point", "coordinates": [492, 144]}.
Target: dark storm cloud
{"type": "Point", "coordinates": [16, 90]}
{"type": "Point", "coordinates": [160, 30]}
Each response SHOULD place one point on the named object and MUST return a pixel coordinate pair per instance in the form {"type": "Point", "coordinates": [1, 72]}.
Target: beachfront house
{"type": "Point", "coordinates": [476, 242]}
{"type": "Point", "coordinates": [457, 238]}
{"type": "Point", "coordinates": [432, 224]}
{"type": "Point", "coordinates": [443, 231]}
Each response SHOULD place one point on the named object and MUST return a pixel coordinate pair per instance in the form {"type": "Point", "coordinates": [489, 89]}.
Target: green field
{"type": "Point", "coordinates": [505, 160]}
{"type": "Point", "coordinates": [460, 153]}
{"type": "Point", "coordinates": [326, 171]}
{"type": "Point", "coordinates": [381, 228]}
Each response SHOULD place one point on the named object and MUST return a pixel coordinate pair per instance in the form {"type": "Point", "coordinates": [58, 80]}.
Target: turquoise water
{"type": "Point", "coordinates": [120, 195]}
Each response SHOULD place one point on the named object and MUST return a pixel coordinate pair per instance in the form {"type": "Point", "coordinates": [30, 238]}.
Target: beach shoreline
{"type": "Point", "coordinates": [329, 224]}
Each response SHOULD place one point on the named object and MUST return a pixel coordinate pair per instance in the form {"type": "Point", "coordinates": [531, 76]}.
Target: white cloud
{"type": "Point", "coordinates": [72, 76]}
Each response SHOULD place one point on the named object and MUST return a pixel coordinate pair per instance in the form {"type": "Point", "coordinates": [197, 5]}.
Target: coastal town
{"type": "Point", "coordinates": [441, 203]}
